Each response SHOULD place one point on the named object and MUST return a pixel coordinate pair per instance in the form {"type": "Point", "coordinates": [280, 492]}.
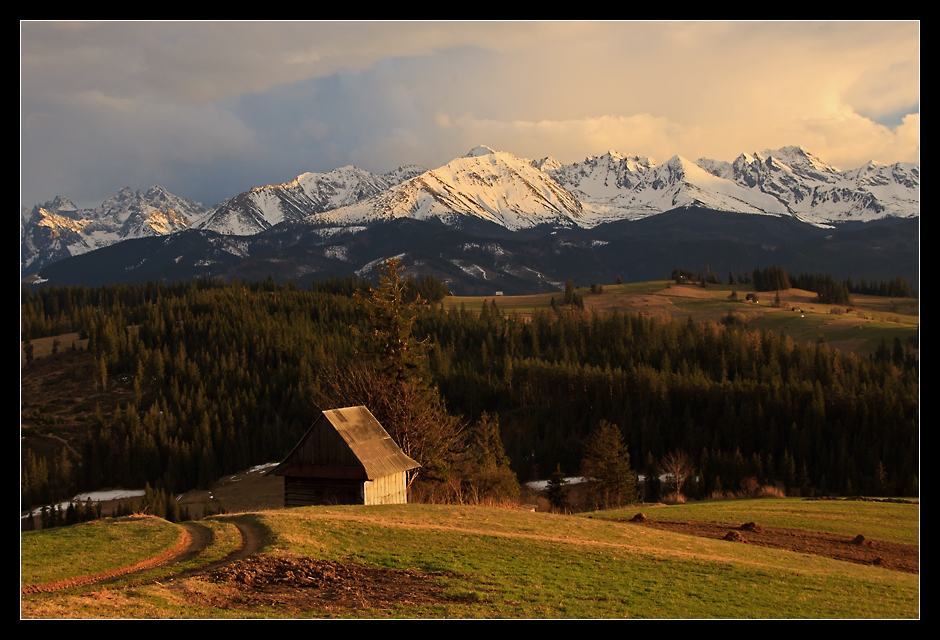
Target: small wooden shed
{"type": "Point", "coordinates": [346, 457]}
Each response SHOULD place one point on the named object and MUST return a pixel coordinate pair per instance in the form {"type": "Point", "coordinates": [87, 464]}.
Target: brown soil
{"type": "Point", "coordinates": [888, 555]}
{"type": "Point", "coordinates": [245, 581]}
{"type": "Point", "coordinates": [301, 584]}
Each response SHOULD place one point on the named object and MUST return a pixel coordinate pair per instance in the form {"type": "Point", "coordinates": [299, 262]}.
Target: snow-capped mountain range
{"type": "Point", "coordinates": [495, 187]}
{"type": "Point", "coordinates": [308, 194]}
{"type": "Point", "coordinates": [788, 181]}
{"type": "Point", "coordinates": [58, 229]}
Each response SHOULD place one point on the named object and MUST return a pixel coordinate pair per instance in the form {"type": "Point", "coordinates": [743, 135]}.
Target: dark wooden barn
{"type": "Point", "coordinates": [346, 457]}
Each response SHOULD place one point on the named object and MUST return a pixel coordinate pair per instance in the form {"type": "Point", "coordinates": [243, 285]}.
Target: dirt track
{"type": "Point", "coordinates": [246, 579]}
{"type": "Point", "coordinates": [888, 555]}
{"type": "Point", "coordinates": [193, 540]}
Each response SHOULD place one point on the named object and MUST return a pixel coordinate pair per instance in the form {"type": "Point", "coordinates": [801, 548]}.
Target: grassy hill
{"type": "Point", "coordinates": [858, 327]}
{"type": "Point", "coordinates": [433, 561]}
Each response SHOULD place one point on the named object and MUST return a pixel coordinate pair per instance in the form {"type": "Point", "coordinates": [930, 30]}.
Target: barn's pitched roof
{"type": "Point", "coordinates": [345, 443]}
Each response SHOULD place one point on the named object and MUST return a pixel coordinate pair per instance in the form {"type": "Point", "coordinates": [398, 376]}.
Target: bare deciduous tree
{"type": "Point", "coordinates": [677, 465]}
{"type": "Point", "coordinates": [391, 378]}
{"type": "Point", "coordinates": [409, 409]}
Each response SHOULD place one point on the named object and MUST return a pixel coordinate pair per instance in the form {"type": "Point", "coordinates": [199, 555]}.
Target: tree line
{"type": "Point", "coordinates": [828, 288]}
{"type": "Point", "coordinates": [743, 403]}
{"type": "Point", "coordinates": [226, 376]}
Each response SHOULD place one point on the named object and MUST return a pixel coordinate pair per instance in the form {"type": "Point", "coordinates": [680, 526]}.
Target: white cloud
{"type": "Point", "coordinates": [140, 101]}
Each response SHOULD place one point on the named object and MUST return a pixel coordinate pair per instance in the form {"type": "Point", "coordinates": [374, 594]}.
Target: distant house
{"type": "Point", "coordinates": [751, 297]}
{"type": "Point", "coordinates": [346, 457]}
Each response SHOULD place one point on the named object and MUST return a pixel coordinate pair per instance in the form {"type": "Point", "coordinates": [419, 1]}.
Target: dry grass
{"type": "Point", "coordinates": [673, 497]}
{"type": "Point", "coordinates": [763, 491]}
{"type": "Point", "coordinates": [453, 493]}
{"type": "Point", "coordinates": [42, 347]}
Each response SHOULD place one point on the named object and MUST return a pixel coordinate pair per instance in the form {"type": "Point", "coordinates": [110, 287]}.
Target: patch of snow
{"type": "Point", "coordinates": [369, 266]}
{"type": "Point", "coordinates": [263, 467]}
{"type": "Point", "coordinates": [96, 496]}
{"type": "Point", "coordinates": [541, 485]}
{"type": "Point", "coordinates": [337, 252]}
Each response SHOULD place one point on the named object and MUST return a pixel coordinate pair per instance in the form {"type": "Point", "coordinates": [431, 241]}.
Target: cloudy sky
{"type": "Point", "coordinates": [208, 110]}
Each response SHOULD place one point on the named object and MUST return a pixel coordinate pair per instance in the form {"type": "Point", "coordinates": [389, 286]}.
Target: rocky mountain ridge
{"type": "Point", "coordinates": [490, 187]}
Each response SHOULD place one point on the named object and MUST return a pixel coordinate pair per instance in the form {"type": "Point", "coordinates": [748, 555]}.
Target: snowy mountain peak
{"type": "Point", "coordinates": [481, 150]}
{"type": "Point", "coordinates": [547, 163]}
{"type": "Point", "coordinates": [308, 194]}
{"type": "Point", "coordinates": [60, 230]}
{"type": "Point", "coordinates": [490, 185]}
{"type": "Point", "coordinates": [60, 204]}
{"type": "Point", "coordinates": [801, 161]}
{"type": "Point", "coordinates": [497, 187]}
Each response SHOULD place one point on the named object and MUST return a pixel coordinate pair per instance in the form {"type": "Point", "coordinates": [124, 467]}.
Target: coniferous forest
{"type": "Point", "coordinates": [226, 376]}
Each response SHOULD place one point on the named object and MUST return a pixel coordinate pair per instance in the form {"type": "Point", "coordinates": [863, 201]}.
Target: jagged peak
{"type": "Point", "coordinates": [59, 203]}
{"type": "Point", "coordinates": [681, 161]}
{"type": "Point", "coordinates": [798, 156]}
{"type": "Point", "coordinates": [481, 150]}
{"type": "Point", "coordinates": [633, 161]}
{"type": "Point", "coordinates": [548, 163]}
{"type": "Point", "coordinates": [748, 158]}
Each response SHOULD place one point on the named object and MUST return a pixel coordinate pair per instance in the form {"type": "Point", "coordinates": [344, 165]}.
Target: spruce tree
{"type": "Point", "coordinates": [388, 339]}
{"type": "Point", "coordinates": [394, 382]}
{"type": "Point", "coordinates": [556, 492]}
{"type": "Point", "coordinates": [607, 462]}
{"type": "Point", "coordinates": [486, 469]}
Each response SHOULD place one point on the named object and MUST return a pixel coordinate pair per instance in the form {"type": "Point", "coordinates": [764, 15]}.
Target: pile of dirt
{"type": "Point", "coordinates": [861, 550]}
{"type": "Point", "coordinates": [297, 583]}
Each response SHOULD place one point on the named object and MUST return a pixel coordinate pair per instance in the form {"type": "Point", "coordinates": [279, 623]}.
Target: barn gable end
{"type": "Point", "coordinates": [346, 457]}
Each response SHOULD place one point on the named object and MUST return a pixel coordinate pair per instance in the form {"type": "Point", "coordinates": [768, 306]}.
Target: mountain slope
{"type": "Point", "coordinates": [488, 190]}
{"type": "Point", "coordinates": [58, 229]}
{"type": "Point", "coordinates": [308, 194]}
{"type": "Point", "coordinates": [788, 181]}
{"type": "Point", "coordinates": [821, 194]}
{"type": "Point", "coordinates": [491, 186]}
{"type": "Point", "coordinates": [485, 257]}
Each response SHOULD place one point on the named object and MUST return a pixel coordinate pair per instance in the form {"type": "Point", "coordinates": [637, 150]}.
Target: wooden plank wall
{"type": "Point", "coordinates": [391, 489]}
{"type": "Point", "coordinates": [300, 492]}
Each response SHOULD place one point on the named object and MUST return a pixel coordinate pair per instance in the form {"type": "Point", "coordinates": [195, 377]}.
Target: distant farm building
{"type": "Point", "coordinates": [346, 457]}
{"type": "Point", "coordinates": [751, 297]}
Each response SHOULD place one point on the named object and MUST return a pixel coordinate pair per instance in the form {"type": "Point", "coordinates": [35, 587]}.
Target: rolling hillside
{"type": "Point", "coordinates": [429, 561]}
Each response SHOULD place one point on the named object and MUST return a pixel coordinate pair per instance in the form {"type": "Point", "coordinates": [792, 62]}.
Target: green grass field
{"type": "Point", "coordinates": [880, 520]}
{"type": "Point", "coordinates": [517, 564]}
{"type": "Point", "coordinates": [97, 546]}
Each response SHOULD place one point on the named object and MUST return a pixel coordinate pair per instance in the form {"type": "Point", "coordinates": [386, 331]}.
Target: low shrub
{"type": "Point", "coordinates": [673, 498]}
